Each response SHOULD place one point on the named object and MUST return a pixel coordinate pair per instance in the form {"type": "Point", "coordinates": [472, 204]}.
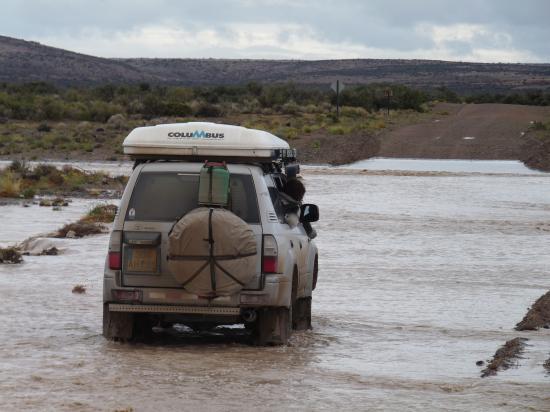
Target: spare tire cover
{"type": "Point", "coordinates": [221, 271]}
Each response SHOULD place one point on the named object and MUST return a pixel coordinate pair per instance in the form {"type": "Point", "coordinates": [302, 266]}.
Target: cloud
{"type": "Point", "coordinates": [473, 42]}
{"type": "Point", "coordinates": [488, 30]}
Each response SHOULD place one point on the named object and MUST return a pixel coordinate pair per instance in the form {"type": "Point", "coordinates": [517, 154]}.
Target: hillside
{"type": "Point", "coordinates": [24, 61]}
{"type": "Point", "coordinates": [423, 74]}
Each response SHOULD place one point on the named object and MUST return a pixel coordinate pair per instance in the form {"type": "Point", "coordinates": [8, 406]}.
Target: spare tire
{"type": "Point", "coordinates": [212, 252]}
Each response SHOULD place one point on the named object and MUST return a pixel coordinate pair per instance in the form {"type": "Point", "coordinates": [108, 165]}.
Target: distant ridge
{"type": "Point", "coordinates": [26, 61]}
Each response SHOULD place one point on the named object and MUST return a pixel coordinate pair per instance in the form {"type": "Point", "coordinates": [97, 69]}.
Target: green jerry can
{"type": "Point", "coordinates": [214, 185]}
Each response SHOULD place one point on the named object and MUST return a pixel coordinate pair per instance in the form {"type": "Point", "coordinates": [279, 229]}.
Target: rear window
{"type": "Point", "coordinates": [167, 196]}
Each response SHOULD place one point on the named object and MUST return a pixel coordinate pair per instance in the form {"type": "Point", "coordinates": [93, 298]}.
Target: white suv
{"type": "Point", "coordinates": [143, 287]}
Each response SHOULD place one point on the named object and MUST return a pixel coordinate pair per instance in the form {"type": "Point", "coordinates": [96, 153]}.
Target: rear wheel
{"type": "Point", "coordinates": [143, 328]}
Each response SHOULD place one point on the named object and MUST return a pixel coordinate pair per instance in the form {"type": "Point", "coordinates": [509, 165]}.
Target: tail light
{"type": "Point", "coordinates": [126, 295]}
{"type": "Point", "coordinates": [115, 260]}
{"type": "Point", "coordinates": [115, 247]}
{"type": "Point", "coordinates": [270, 255]}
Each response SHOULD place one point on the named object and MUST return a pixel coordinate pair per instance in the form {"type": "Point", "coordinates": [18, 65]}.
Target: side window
{"type": "Point", "coordinates": [244, 202]}
{"type": "Point", "coordinates": [277, 203]}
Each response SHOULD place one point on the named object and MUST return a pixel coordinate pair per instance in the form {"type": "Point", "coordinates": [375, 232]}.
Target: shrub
{"type": "Point", "coordinates": [538, 126]}
{"type": "Point", "coordinates": [101, 214]}
{"type": "Point", "coordinates": [28, 193]}
{"type": "Point", "coordinates": [20, 167]}
{"type": "Point", "coordinates": [44, 170]}
{"type": "Point", "coordinates": [312, 108]}
{"type": "Point", "coordinates": [80, 229]}
{"type": "Point", "coordinates": [10, 184]}
{"type": "Point", "coordinates": [208, 110]}
{"type": "Point", "coordinates": [354, 112]}
{"type": "Point", "coordinates": [44, 127]}
{"type": "Point", "coordinates": [10, 255]}
{"type": "Point", "coordinates": [336, 130]}
{"type": "Point", "coordinates": [290, 107]}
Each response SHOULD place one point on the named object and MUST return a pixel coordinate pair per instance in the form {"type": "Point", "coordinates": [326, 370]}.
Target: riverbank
{"type": "Point", "coordinates": [442, 131]}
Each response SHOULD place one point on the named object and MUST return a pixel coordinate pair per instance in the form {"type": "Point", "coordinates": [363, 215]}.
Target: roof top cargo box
{"type": "Point", "coordinates": [196, 140]}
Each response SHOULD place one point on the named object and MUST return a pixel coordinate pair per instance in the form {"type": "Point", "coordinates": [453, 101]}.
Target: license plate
{"type": "Point", "coordinates": [142, 260]}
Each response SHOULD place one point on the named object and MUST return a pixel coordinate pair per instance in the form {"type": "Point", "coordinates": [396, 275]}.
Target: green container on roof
{"type": "Point", "coordinates": [214, 185]}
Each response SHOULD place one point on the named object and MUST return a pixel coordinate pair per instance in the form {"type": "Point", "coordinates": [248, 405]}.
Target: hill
{"type": "Point", "coordinates": [25, 61]}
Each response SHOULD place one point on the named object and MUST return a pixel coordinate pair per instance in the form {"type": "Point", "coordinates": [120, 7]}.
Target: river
{"type": "Point", "coordinates": [420, 277]}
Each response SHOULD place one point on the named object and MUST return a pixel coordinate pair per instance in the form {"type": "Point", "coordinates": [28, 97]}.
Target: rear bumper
{"type": "Point", "coordinates": [196, 310]}
{"type": "Point", "coordinates": [276, 292]}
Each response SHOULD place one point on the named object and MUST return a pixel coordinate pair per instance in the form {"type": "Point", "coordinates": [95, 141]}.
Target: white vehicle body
{"type": "Point", "coordinates": [270, 303]}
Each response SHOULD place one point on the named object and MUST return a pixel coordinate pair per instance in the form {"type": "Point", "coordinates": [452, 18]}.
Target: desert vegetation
{"type": "Point", "coordinates": [45, 103]}
{"type": "Point", "coordinates": [10, 255]}
{"type": "Point", "coordinates": [19, 180]}
{"type": "Point", "coordinates": [40, 120]}
{"type": "Point", "coordinates": [101, 214]}
{"type": "Point", "coordinates": [89, 224]}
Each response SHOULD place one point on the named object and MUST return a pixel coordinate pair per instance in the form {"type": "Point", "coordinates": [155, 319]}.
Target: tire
{"type": "Point", "coordinates": [143, 328]}
{"type": "Point", "coordinates": [315, 272]}
{"type": "Point", "coordinates": [273, 326]}
{"type": "Point", "coordinates": [117, 326]}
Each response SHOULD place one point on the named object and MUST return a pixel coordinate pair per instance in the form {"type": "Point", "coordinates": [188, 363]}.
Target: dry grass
{"type": "Point", "coordinates": [19, 180]}
{"type": "Point", "coordinates": [58, 201]}
{"type": "Point", "coordinates": [89, 224]}
{"type": "Point", "coordinates": [101, 214]}
{"type": "Point", "coordinates": [79, 229]}
{"type": "Point", "coordinates": [10, 255]}
{"type": "Point", "coordinates": [10, 184]}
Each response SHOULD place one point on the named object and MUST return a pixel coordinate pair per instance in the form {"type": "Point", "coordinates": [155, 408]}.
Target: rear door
{"type": "Point", "coordinates": [164, 193]}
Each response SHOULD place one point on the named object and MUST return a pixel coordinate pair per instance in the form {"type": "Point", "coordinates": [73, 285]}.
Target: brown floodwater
{"type": "Point", "coordinates": [420, 277]}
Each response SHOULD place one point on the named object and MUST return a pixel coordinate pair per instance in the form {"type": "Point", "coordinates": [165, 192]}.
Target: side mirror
{"type": "Point", "coordinates": [310, 213]}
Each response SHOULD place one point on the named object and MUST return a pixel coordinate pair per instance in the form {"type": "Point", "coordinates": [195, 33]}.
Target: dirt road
{"type": "Point", "coordinates": [469, 131]}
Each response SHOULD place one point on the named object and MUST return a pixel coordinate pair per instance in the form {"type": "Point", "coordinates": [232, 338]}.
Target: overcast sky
{"type": "Point", "coordinates": [459, 30]}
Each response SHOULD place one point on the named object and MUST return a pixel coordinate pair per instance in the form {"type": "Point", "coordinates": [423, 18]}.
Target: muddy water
{"type": "Point", "coordinates": [420, 278]}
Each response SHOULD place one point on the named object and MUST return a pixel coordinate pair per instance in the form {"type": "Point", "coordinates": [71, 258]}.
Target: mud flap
{"type": "Point", "coordinates": [301, 314]}
{"type": "Point", "coordinates": [273, 326]}
{"type": "Point", "coordinates": [117, 325]}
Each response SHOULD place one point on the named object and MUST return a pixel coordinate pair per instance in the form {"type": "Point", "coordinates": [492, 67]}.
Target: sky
{"type": "Point", "coordinates": [458, 30]}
